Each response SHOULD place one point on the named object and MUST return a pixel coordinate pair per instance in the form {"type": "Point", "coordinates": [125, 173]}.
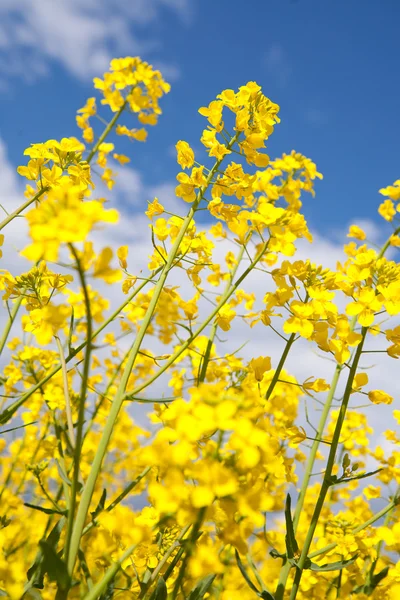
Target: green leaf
{"type": "Point", "coordinates": [109, 592]}
{"type": "Point", "coordinates": [345, 462]}
{"type": "Point", "coordinates": [336, 566]}
{"type": "Point", "coordinates": [100, 507]}
{"type": "Point", "coordinates": [275, 554]}
{"type": "Point", "coordinates": [47, 511]}
{"type": "Point", "coordinates": [376, 579]}
{"type": "Point", "coordinates": [31, 594]}
{"type": "Point", "coordinates": [54, 535]}
{"type": "Point", "coordinates": [362, 476]}
{"type": "Point", "coordinates": [266, 595]}
{"type": "Point", "coordinates": [62, 474]}
{"type": "Point", "coordinates": [54, 566]}
{"type": "Point", "coordinates": [201, 589]}
{"type": "Point", "coordinates": [160, 592]}
{"type": "Point", "coordinates": [374, 582]}
{"type": "Point", "coordinates": [244, 573]}
{"type": "Point", "coordinates": [71, 330]}
{"type": "Point", "coordinates": [19, 427]}
{"type": "Point", "coordinates": [37, 571]}
{"type": "Point", "coordinates": [290, 539]}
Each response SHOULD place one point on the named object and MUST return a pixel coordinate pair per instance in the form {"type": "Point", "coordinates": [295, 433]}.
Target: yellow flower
{"type": "Point", "coordinates": [300, 321]}
{"type": "Point", "coordinates": [154, 208]}
{"type": "Point", "coordinates": [102, 268]}
{"type": "Point", "coordinates": [122, 254]}
{"type": "Point", "coordinates": [186, 188]}
{"type": "Point", "coordinates": [356, 232]}
{"type": "Point", "coordinates": [185, 155]}
{"type": "Point", "coordinates": [380, 397]}
{"type": "Point", "coordinates": [360, 379]}
{"type": "Point", "coordinates": [62, 218]}
{"type": "Point", "coordinates": [372, 491]}
{"type": "Point", "coordinates": [296, 434]}
{"type": "Point", "coordinates": [365, 305]}
{"type": "Point", "coordinates": [387, 210]}
{"type": "Point", "coordinates": [259, 366]}
{"type": "Point", "coordinates": [316, 385]}
{"type": "Point", "coordinates": [224, 317]}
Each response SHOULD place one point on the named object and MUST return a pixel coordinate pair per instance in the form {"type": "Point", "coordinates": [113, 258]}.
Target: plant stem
{"type": "Point", "coordinates": [224, 298]}
{"type": "Point", "coordinates": [120, 394]}
{"type": "Point", "coordinates": [23, 206]}
{"type": "Point", "coordinates": [213, 332]}
{"type": "Point", "coordinates": [9, 323]}
{"type": "Point", "coordinates": [106, 131]}
{"type": "Point", "coordinates": [68, 408]}
{"type": "Point", "coordinates": [176, 543]}
{"type": "Point", "coordinates": [385, 511]}
{"type": "Point", "coordinates": [327, 481]}
{"type": "Point", "coordinates": [9, 412]}
{"type": "Point", "coordinates": [101, 585]}
{"type": "Point", "coordinates": [307, 475]}
{"type": "Point", "coordinates": [81, 409]}
{"type": "Point", "coordinates": [280, 366]}
{"type": "Point", "coordinates": [189, 549]}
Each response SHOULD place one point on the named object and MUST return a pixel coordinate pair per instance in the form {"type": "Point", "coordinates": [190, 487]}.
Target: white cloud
{"type": "Point", "coordinates": [81, 36]}
{"type": "Point", "coordinates": [278, 64]}
{"type": "Point", "coordinates": [315, 116]}
{"type": "Point", "coordinates": [133, 229]}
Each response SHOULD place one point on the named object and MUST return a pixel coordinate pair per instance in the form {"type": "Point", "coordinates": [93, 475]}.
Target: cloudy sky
{"type": "Point", "coordinates": [332, 66]}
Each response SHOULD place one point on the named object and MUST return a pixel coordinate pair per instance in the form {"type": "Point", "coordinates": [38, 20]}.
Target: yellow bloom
{"type": "Point", "coordinates": [300, 321]}
{"type": "Point", "coordinates": [224, 317]}
{"type": "Point", "coordinates": [356, 232]}
{"type": "Point", "coordinates": [365, 305]}
{"type": "Point", "coordinates": [380, 397]}
{"type": "Point", "coordinates": [387, 210]}
{"type": "Point", "coordinates": [259, 366]}
{"type": "Point", "coordinates": [185, 155]}
{"type": "Point", "coordinates": [154, 208]}
{"type": "Point", "coordinates": [360, 379]}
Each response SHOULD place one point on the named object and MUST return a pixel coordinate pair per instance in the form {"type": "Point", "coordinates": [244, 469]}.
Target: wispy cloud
{"type": "Point", "coordinates": [277, 64]}
{"type": "Point", "coordinates": [133, 230]}
{"type": "Point", "coordinates": [80, 36]}
{"type": "Point", "coordinates": [316, 116]}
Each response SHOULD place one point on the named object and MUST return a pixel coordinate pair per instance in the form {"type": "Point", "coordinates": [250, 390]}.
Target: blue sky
{"type": "Point", "coordinates": [331, 66]}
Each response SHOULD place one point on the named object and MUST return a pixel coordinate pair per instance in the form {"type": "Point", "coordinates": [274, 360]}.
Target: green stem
{"type": "Point", "coordinates": [176, 543]}
{"type": "Point", "coordinates": [81, 410]}
{"type": "Point", "coordinates": [126, 491]}
{"type": "Point", "coordinates": [189, 550]}
{"type": "Point", "coordinates": [68, 408]}
{"type": "Point", "coordinates": [307, 475]}
{"type": "Point", "coordinates": [327, 481]}
{"type": "Point", "coordinates": [106, 131]}
{"type": "Point", "coordinates": [380, 544]}
{"type": "Point", "coordinates": [23, 206]}
{"type": "Point", "coordinates": [119, 498]}
{"type": "Point", "coordinates": [385, 511]}
{"type": "Point", "coordinates": [9, 323]}
{"type": "Point", "coordinates": [224, 298]}
{"type": "Point", "coordinates": [120, 395]}
{"type": "Point", "coordinates": [10, 411]}
{"type": "Point", "coordinates": [100, 586]}
{"type": "Point", "coordinates": [280, 366]}
{"type": "Point", "coordinates": [387, 244]}
{"type": "Point", "coordinates": [213, 332]}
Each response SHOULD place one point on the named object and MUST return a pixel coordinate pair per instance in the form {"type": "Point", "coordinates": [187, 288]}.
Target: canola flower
{"type": "Point", "coordinates": [225, 495]}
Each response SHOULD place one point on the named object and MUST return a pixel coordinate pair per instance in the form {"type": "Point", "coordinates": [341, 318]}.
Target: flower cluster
{"type": "Point", "coordinates": [242, 479]}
